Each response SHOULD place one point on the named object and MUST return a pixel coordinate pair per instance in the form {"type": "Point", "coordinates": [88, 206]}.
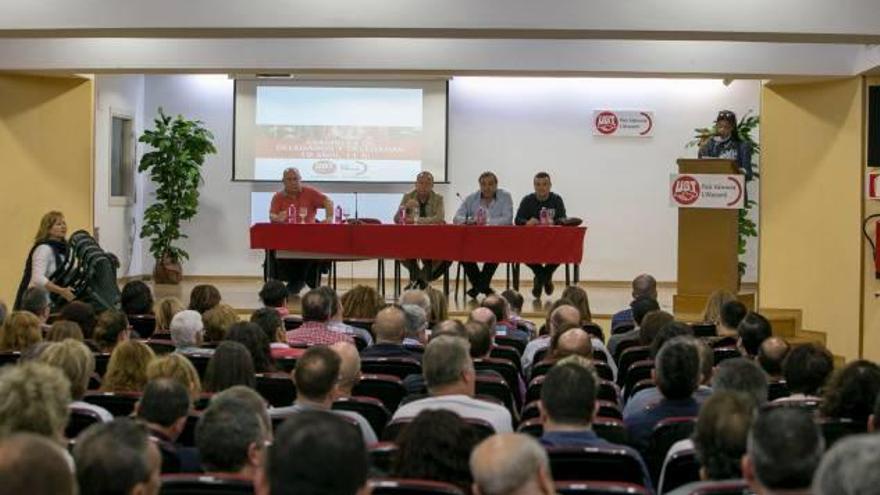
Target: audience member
{"type": "Point", "coordinates": [165, 310]}
{"type": "Point", "coordinates": [4, 311]}
{"type": "Point", "coordinates": [164, 408]}
{"type": "Point", "coordinates": [216, 322]}
{"type": "Point", "coordinates": [61, 330]}
{"type": "Point", "coordinates": [852, 392]}
{"type": "Point", "coordinates": [453, 328]}
{"type": "Point", "coordinates": [716, 301]}
{"type": "Point", "coordinates": [136, 298]}
{"type": "Point", "coordinates": [784, 450]}
{"type": "Point", "coordinates": [511, 464]}
{"type": "Point", "coordinates": [676, 374]}
{"type": "Point", "coordinates": [361, 302]}
{"type": "Point", "coordinates": [572, 341]}
{"type": "Point", "coordinates": [78, 363]}
{"type": "Point", "coordinates": [316, 315]}
{"type": "Point", "coordinates": [564, 313]}
{"type": "Point", "coordinates": [203, 297]}
{"type": "Point", "coordinates": [643, 285]}
{"type": "Point", "coordinates": [668, 332]}
{"type": "Point", "coordinates": [35, 300]}
{"type": "Point", "coordinates": [849, 467]}
{"type": "Point", "coordinates": [250, 399]}
{"type": "Point", "coordinates": [515, 302]}
{"type": "Point", "coordinates": [416, 297]}
{"type": "Point", "coordinates": [349, 368]}
{"type": "Point", "coordinates": [273, 328]}
{"type": "Point", "coordinates": [34, 465]}
{"type": "Point", "coordinates": [806, 369]}
{"type": "Point", "coordinates": [273, 295]}
{"type": "Point", "coordinates": [504, 326]}
{"type": "Point", "coordinates": [117, 457]}
{"type": "Point", "coordinates": [127, 370]}
{"type": "Point", "coordinates": [82, 314]}
{"type": "Point", "coordinates": [187, 331]}
{"type": "Point", "coordinates": [316, 375]}
{"type": "Point", "coordinates": [731, 315]}
{"type": "Point", "coordinates": [567, 405]}
{"type": "Point", "coordinates": [439, 305]}
{"type": "Point", "coordinates": [111, 329]}
{"type": "Point", "coordinates": [230, 365]}
{"type": "Point", "coordinates": [451, 380]}
{"type": "Point", "coordinates": [20, 331]}
{"type": "Point", "coordinates": [34, 397]}
{"type": "Point", "coordinates": [771, 355]}
{"type": "Point", "coordinates": [651, 324]}
{"type": "Point", "coordinates": [252, 337]}
{"type": "Point", "coordinates": [231, 437]}
{"type": "Point", "coordinates": [753, 330]}
{"type": "Point", "coordinates": [178, 368]}
{"type": "Point", "coordinates": [336, 463]}
{"type": "Point", "coordinates": [436, 446]}
{"type": "Point", "coordinates": [579, 299]}
{"type": "Point", "coordinates": [639, 308]}
{"type": "Point", "coordinates": [416, 325]}
{"type": "Point", "coordinates": [336, 323]}
{"type": "Point", "coordinates": [390, 330]}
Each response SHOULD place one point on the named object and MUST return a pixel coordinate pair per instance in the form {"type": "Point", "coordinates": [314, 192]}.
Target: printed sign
{"type": "Point", "coordinates": [706, 191]}
{"type": "Point", "coordinates": [633, 123]}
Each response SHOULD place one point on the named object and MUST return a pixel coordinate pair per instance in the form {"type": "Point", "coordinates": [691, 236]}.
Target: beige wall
{"type": "Point", "coordinates": [811, 206]}
{"type": "Point", "coordinates": [871, 317]}
{"type": "Point", "coordinates": [46, 163]}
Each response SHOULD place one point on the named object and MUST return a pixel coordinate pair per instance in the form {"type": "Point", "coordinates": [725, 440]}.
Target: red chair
{"type": "Point", "coordinates": [736, 487]}
{"type": "Point", "coordinates": [594, 463]}
{"type": "Point", "coordinates": [833, 429]}
{"type": "Point", "coordinates": [594, 330]}
{"type": "Point", "coordinates": [144, 325]}
{"type": "Point", "coordinates": [102, 359]}
{"type": "Point", "coordinates": [496, 387]}
{"type": "Point", "coordinates": [640, 370]}
{"type": "Point", "coordinates": [292, 322]}
{"type": "Point", "coordinates": [610, 429]}
{"type": "Point", "coordinates": [396, 426]}
{"type": "Point", "coordinates": [387, 388]}
{"type": "Point", "coordinates": [681, 468]}
{"type": "Point", "coordinates": [187, 437]}
{"type": "Point", "coordinates": [723, 353]}
{"type": "Point", "coordinates": [504, 368]}
{"type": "Point", "coordinates": [117, 403]}
{"type": "Point", "coordinates": [382, 456]}
{"type": "Point", "coordinates": [160, 346]}
{"type": "Point", "coordinates": [399, 367]}
{"type": "Point", "coordinates": [508, 353]}
{"type": "Point", "coordinates": [622, 346]}
{"type": "Point", "coordinates": [277, 388]}
{"type": "Point", "coordinates": [518, 344]}
{"type": "Point", "coordinates": [665, 434]}
{"type": "Point", "coordinates": [401, 486]}
{"type": "Point", "coordinates": [532, 426]}
{"type": "Point", "coordinates": [80, 419]}
{"type": "Point", "coordinates": [599, 488]}
{"type": "Point", "coordinates": [370, 408]}
{"type": "Point", "coordinates": [206, 484]}
{"type": "Point", "coordinates": [628, 357]}
{"type": "Point", "coordinates": [777, 389]}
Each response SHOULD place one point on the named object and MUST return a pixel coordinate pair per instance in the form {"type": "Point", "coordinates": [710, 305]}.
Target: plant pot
{"type": "Point", "coordinates": [167, 271]}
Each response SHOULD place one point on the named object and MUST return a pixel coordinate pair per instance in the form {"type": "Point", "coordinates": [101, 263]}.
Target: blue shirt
{"type": "Point", "coordinates": [650, 396]}
{"type": "Point", "coordinates": [588, 438]}
{"type": "Point", "coordinates": [622, 316]}
{"type": "Point", "coordinates": [499, 210]}
{"type": "Point", "coordinates": [640, 424]}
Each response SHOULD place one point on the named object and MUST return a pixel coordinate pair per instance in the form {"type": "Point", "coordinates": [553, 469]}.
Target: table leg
{"type": "Point", "coordinates": [577, 273]}
{"type": "Point", "coordinates": [567, 275]}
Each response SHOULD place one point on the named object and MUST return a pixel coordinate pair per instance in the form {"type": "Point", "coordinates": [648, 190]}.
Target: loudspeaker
{"type": "Point", "coordinates": [874, 126]}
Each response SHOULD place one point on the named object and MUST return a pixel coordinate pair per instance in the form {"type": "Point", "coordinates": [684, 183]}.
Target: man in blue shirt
{"type": "Point", "coordinates": [642, 286]}
{"type": "Point", "coordinates": [568, 402]}
{"type": "Point", "coordinates": [489, 206]}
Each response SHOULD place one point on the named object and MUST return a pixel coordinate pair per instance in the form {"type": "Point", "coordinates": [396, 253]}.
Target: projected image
{"type": "Point", "coordinates": [358, 134]}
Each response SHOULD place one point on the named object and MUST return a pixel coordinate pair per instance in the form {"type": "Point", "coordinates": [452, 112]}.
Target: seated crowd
{"type": "Point", "coordinates": [350, 394]}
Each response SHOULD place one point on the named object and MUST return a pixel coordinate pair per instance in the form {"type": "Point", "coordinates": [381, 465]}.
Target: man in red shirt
{"type": "Point", "coordinates": [306, 201]}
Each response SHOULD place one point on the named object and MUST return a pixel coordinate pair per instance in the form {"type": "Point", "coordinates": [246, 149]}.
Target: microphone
{"type": "Point", "coordinates": [355, 205]}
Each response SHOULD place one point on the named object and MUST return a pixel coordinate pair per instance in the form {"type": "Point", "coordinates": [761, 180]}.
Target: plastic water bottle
{"type": "Point", "coordinates": [337, 218]}
{"type": "Point", "coordinates": [481, 216]}
{"type": "Point", "coordinates": [543, 217]}
{"type": "Point", "coordinates": [291, 214]}
{"type": "Point", "coordinates": [401, 215]}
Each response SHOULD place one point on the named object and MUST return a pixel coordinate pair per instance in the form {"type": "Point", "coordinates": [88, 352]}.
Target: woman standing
{"type": "Point", "coordinates": [48, 255]}
{"type": "Point", "coordinates": [727, 143]}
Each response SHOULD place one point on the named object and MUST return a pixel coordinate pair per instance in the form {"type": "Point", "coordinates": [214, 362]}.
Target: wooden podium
{"type": "Point", "coordinates": [707, 245]}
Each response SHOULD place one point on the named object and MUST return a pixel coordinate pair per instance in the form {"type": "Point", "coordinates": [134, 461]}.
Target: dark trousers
{"type": "Point", "coordinates": [298, 273]}
{"type": "Point", "coordinates": [543, 273]}
{"type": "Point", "coordinates": [430, 270]}
{"type": "Point", "coordinates": [481, 280]}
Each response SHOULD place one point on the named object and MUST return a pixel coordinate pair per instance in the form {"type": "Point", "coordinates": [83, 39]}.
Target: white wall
{"type": "Point", "coordinates": [122, 95]}
{"type": "Point", "coordinates": [514, 126]}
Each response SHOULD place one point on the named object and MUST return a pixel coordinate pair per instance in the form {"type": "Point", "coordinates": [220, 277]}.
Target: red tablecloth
{"type": "Point", "coordinates": [553, 244]}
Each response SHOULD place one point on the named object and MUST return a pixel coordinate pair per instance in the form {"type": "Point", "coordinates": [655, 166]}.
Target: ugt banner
{"type": "Point", "coordinates": [706, 191]}
{"type": "Point", "coordinates": [633, 123]}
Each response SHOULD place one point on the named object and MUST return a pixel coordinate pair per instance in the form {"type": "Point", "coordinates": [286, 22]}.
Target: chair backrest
{"type": "Point", "coordinates": [533, 392]}
{"type": "Point", "coordinates": [777, 389]}
{"type": "Point", "coordinates": [611, 429]}
{"type": "Point", "coordinates": [628, 357]}
{"type": "Point", "coordinates": [396, 426]}
{"type": "Point", "coordinates": [144, 325]}
{"type": "Point", "coordinates": [117, 403]}
{"type": "Point", "coordinates": [504, 368]}
{"type": "Point", "coordinates": [723, 353]}
{"type": "Point", "coordinates": [401, 486]}
{"type": "Point", "coordinates": [623, 327]}
{"type": "Point", "coordinates": [641, 385]}
{"type": "Point", "coordinates": [102, 359]}
{"type": "Point", "coordinates": [532, 426]}
{"type": "Point", "coordinates": [387, 388]}
{"type": "Point", "coordinates": [530, 411]}
{"type": "Point", "coordinates": [277, 388]}
{"type": "Point", "coordinates": [292, 322]}
{"type": "Point", "coordinates": [366, 324]}
{"type": "Point", "coordinates": [8, 357]}
{"type": "Point", "coordinates": [399, 367]}
{"type": "Point", "coordinates": [382, 456]}
{"type": "Point", "coordinates": [594, 463]}
{"type": "Point", "coordinates": [681, 468]}
{"type": "Point", "coordinates": [518, 344]}
{"type": "Point", "coordinates": [640, 370]}
{"type": "Point", "coordinates": [199, 362]}
{"type": "Point", "coordinates": [496, 387]}
{"type": "Point", "coordinates": [594, 330]}
{"type": "Point", "coordinates": [603, 371]}
{"type": "Point", "coordinates": [608, 390]}
{"type": "Point", "coordinates": [599, 488]}
{"type": "Point", "coordinates": [622, 346]}
{"type": "Point", "coordinates": [80, 419]}
{"type": "Point", "coordinates": [540, 355]}
{"type": "Point", "coordinates": [833, 429]}
{"type": "Point", "coordinates": [665, 434]}
{"type": "Point", "coordinates": [609, 410]}
{"type": "Point", "coordinates": [735, 487]}
{"type": "Point", "coordinates": [370, 408]}
{"type": "Point", "coordinates": [160, 346]}
{"type": "Point", "coordinates": [205, 484]}
{"type": "Point", "coordinates": [810, 405]}
{"type": "Point", "coordinates": [704, 329]}
{"type": "Point", "coordinates": [601, 356]}
{"type": "Point", "coordinates": [285, 364]}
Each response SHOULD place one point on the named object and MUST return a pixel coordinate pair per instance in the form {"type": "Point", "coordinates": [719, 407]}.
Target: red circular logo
{"type": "Point", "coordinates": [606, 122]}
{"type": "Point", "coordinates": [324, 167]}
{"type": "Point", "coordinates": [685, 190]}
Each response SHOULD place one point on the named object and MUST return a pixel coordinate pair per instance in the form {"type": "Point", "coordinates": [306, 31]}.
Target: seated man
{"type": "Point", "coordinates": [422, 206]}
{"type": "Point", "coordinates": [529, 213]}
{"type": "Point", "coordinates": [349, 369]}
{"type": "Point", "coordinates": [731, 315]}
{"type": "Point", "coordinates": [390, 329]}
{"type": "Point", "coordinates": [849, 467]}
{"type": "Point", "coordinates": [771, 355]}
{"type": "Point", "coordinates": [511, 464]}
{"type": "Point", "coordinates": [187, 333]}
{"type": "Point", "coordinates": [566, 316]}
{"type": "Point", "coordinates": [305, 201]}
{"type": "Point", "coordinates": [753, 330]}
{"type": "Point", "coordinates": [117, 457]}
{"type": "Point", "coordinates": [336, 460]}
{"type": "Point", "coordinates": [677, 375]}
{"type": "Point", "coordinates": [643, 285]}
{"type": "Point", "coordinates": [504, 326]}
{"type": "Point", "coordinates": [451, 380]}
{"type": "Point", "coordinates": [515, 304]}
{"type": "Point", "coordinates": [231, 436]}
{"type": "Point", "coordinates": [806, 369]}
{"type": "Point", "coordinates": [638, 309]}
{"type": "Point", "coordinates": [35, 465]}
{"type": "Point", "coordinates": [316, 375]}
{"type": "Point", "coordinates": [274, 295]}
{"type": "Point", "coordinates": [568, 403]}
{"type": "Point", "coordinates": [416, 325]}
{"type": "Point", "coordinates": [573, 341]}
{"type": "Point", "coordinates": [36, 300]}
{"type": "Point", "coordinates": [316, 313]}
{"type": "Point", "coordinates": [164, 408]}
{"type": "Point", "coordinates": [336, 322]}
{"type": "Point", "coordinates": [784, 450]}
{"type": "Point", "coordinates": [492, 206]}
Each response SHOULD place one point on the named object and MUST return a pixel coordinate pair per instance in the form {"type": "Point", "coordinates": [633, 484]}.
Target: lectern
{"type": "Point", "coordinates": [707, 245]}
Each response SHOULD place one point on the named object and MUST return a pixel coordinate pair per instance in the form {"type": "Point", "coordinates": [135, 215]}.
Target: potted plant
{"type": "Point", "coordinates": [179, 147]}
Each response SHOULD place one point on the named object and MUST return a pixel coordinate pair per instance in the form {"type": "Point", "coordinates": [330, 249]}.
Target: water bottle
{"type": "Point", "coordinates": [291, 214]}
{"type": "Point", "coordinates": [401, 214]}
{"type": "Point", "coordinates": [481, 216]}
{"type": "Point", "coordinates": [543, 217]}
{"type": "Point", "coordinates": [338, 217]}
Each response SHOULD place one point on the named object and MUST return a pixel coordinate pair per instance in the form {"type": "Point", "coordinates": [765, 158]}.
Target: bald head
{"type": "Point", "coordinates": [510, 464]}
{"type": "Point", "coordinates": [390, 325]}
{"type": "Point", "coordinates": [35, 465]}
{"type": "Point", "coordinates": [644, 286]}
{"type": "Point", "coordinates": [484, 316]}
{"type": "Point", "coordinates": [771, 354]}
{"type": "Point", "coordinates": [416, 297]}
{"type": "Point", "coordinates": [574, 341]}
{"type": "Point", "coordinates": [349, 367]}
{"type": "Point", "coordinates": [562, 315]}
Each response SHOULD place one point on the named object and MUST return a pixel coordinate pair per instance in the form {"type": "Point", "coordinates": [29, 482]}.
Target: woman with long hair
{"type": "Point", "coordinates": [127, 371]}
{"type": "Point", "coordinates": [46, 257]}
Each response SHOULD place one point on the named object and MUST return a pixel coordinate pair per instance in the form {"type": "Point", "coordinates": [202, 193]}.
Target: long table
{"type": "Point", "coordinates": [493, 244]}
